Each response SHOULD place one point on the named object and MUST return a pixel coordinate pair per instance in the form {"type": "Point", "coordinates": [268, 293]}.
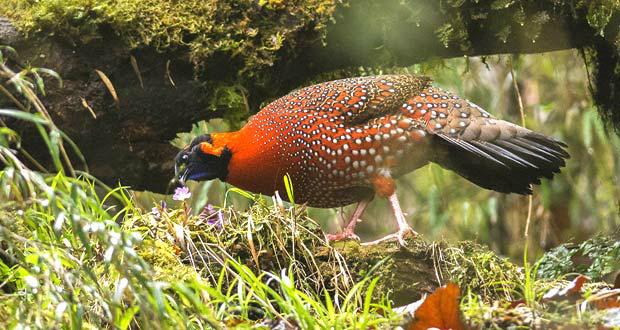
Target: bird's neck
{"type": "Point", "coordinates": [251, 166]}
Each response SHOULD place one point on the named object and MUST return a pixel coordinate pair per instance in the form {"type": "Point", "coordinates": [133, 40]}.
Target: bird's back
{"type": "Point", "coordinates": [335, 138]}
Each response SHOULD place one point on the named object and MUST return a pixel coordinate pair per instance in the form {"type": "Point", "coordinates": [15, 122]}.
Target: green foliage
{"type": "Point", "coordinates": [84, 270]}
{"type": "Point", "coordinates": [600, 13]}
{"type": "Point", "coordinates": [595, 258]}
{"type": "Point", "coordinates": [454, 32]}
{"type": "Point", "coordinates": [507, 16]}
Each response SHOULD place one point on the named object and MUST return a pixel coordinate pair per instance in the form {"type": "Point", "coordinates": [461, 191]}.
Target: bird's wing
{"type": "Point", "coordinates": [354, 101]}
{"type": "Point", "coordinates": [490, 152]}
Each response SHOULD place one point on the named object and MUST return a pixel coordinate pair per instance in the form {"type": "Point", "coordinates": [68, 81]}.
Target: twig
{"type": "Point", "coordinates": [522, 111]}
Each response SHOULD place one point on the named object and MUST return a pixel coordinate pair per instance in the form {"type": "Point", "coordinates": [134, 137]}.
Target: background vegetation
{"type": "Point", "coordinates": [91, 256]}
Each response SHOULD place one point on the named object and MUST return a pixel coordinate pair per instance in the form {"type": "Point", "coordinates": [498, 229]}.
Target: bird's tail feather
{"type": "Point", "coordinates": [509, 165]}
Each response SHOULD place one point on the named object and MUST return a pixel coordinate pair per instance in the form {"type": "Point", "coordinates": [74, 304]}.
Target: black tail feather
{"type": "Point", "coordinates": [509, 165]}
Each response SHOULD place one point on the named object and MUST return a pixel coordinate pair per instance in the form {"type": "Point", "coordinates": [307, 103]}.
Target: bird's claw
{"type": "Point", "coordinates": [399, 236]}
{"type": "Point", "coordinates": [344, 235]}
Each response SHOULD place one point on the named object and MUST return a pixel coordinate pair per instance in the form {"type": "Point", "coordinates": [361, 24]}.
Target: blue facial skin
{"type": "Point", "coordinates": [200, 176]}
{"type": "Point", "coordinates": [196, 171]}
{"type": "Point", "coordinates": [193, 164]}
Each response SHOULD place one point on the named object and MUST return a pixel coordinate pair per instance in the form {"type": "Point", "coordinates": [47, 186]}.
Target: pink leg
{"type": "Point", "coordinates": [403, 228]}
{"type": "Point", "coordinates": [348, 232]}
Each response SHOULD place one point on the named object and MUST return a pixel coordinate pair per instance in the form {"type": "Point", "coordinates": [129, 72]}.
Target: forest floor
{"type": "Point", "coordinates": [87, 264]}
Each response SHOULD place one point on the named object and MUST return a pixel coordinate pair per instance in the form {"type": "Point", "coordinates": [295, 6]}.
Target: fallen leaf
{"type": "Point", "coordinates": [440, 310]}
{"type": "Point", "coordinates": [606, 299]}
{"type": "Point", "coordinates": [571, 289]}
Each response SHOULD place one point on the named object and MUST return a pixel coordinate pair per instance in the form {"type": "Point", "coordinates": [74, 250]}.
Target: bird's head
{"type": "Point", "coordinates": [202, 161]}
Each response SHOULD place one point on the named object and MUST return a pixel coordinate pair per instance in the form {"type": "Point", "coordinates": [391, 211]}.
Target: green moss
{"type": "Point", "coordinates": [600, 13]}
{"type": "Point", "coordinates": [164, 261]}
{"type": "Point", "coordinates": [250, 32]}
{"type": "Point", "coordinates": [480, 270]}
{"type": "Point", "coordinates": [508, 16]}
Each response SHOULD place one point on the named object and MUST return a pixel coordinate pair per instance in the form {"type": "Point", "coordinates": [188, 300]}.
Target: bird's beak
{"type": "Point", "coordinates": [183, 176]}
{"type": "Point", "coordinates": [178, 175]}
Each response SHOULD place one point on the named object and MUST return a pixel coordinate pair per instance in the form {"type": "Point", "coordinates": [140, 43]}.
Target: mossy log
{"type": "Point", "coordinates": [419, 268]}
{"type": "Point", "coordinates": [231, 59]}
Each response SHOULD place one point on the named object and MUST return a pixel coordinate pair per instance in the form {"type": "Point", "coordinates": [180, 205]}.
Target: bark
{"type": "Point", "coordinates": [130, 141]}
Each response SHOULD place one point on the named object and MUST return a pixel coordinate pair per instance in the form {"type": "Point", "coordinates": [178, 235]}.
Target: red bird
{"type": "Point", "coordinates": [345, 141]}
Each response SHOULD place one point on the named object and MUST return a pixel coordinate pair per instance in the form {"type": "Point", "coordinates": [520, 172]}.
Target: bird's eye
{"type": "Point", "coordinates": [184, 157]}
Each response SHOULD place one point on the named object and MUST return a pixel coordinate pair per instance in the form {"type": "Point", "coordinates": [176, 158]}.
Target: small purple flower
{"type": "Point", "coordinates": [220, 218]}
{"type": "Point", "coordinates": [208, 209]}
{"type": "Point", "coordinates": [156, 213]}
{"type": "Point", "coordinates": [217, 221]}
{"type": "Point", "coordinates": [212, 217]}
{"type": "Point", "coordinates": [181, 194]}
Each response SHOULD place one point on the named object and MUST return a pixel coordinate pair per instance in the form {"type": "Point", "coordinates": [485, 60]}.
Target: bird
{"type": "Point", "coordinates": [346, 141]}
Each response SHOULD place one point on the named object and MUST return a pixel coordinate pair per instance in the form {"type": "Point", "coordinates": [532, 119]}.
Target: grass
{"type": "Point", "coordinates": [66, 252]}
{"type": "Point", "coordinates": [87, 259]}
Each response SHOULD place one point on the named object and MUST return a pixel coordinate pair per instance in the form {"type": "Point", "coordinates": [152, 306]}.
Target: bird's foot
{"type": "Point", "coordinates": [400, 236]}
{"type": "Point", "coordinates": [344, 235]}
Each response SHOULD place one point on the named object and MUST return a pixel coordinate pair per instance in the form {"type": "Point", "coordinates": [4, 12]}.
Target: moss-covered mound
{"type": "Point", "coordinates": [249, 31]}
{"type": "Point", "coordinates": [270, 239]}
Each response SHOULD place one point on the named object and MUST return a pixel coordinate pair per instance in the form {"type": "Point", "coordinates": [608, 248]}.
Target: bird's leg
{"type": "Point", "coordinates": [348, 230]}
{"type": "Point", "coordinates": [385, 186]}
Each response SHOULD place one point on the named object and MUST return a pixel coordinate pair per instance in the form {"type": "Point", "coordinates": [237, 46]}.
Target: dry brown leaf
{"type": "Point", "coordinates": [110, 87]}
{"type": "Point", "coordinates": [572, 289]}
{"type": "Point", "coordinates": [606, 299]}
{"type": "Point", "coordinates": [136, 69]}
{"type": "Point", "coordinates": [439, 310]}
